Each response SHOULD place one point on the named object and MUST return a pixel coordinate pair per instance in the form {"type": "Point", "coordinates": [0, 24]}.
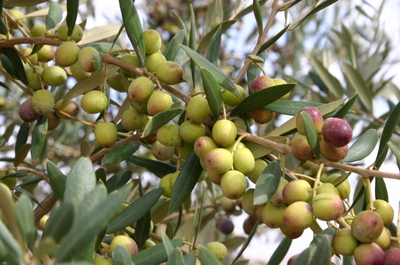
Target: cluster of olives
{"type": "Point", "coordinates": [334, 135]}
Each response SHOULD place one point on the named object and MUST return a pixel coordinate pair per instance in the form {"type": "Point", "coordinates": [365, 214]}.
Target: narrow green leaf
{"type": "Point", "coordinates": [27, 193]}
{"type": "Point", "coordinates": [54, 16]}
{"type": "Point", "coordinates": [184, 184]}
{"type": "Point", "coordinates": [258, 16]}
{"type": "Point", "coordinates": [80, 180]}
{"type": "Point", "coordinates": [214, 48]}
{"type": "Point", "coordinates": [280, 252]}
{"type": "Point", "coordinates": [121, 256]}
{"type": "Point", "coordinates": [291, 124]}
{"type": "Point", "coordinates": [154, 255]}
{"type": "Point", "coordinates": [319, 256]}
{"type": "Point", "coordinates": [118, 180]}
{"type": "Point", "coordinates": [120, 153]}
{"type": "Point", "coordinates": [21, 155]}
{"type": "Point", "coordinates": [205, 41]}
{"type": "Point", "coordinates": [190, 259]}
{"type": "Point", "coordinates": [91, 201]}
{"type": "Point", "coordinates": [57, 179]}
{"type": "Point", "coordinates": [267, 183]}
{"type": "Point", "coordinates": [311, 133]}
{"type": "Point", "coordinates": [261, 98]}
{"type": "Point", "coordinates": [60, 221]}
{"type": "Point", "coordinates": [318, 81]}
{"type": "Point", "coordinates": [3, 27]}
{"type": "Point", "coordinates": [159, 120]}
{"type": "Point", "coordinates": [362, 147]}
{"type": "Point", "coordinates": [387, 133]}
{"type": "Point", "coordinates": [330, 81]}
{"type": "Point", "coordinates": [97, 62]}
{"type": "Point", "coordinates": [247, 242]}
{"type": "Point", "coordinates": [192, 42]}
{"type": "Point", "coordinates": [2, 84]}
{"type": "Point", "coordinates": [24, 215]}
{"type": "Point", "coordinates": [396, 152]}
{"type": "Point", "coordinates": [290, 107]}
{"type": "Point", "coordinates": [176, 257]}
{"type": "Point", "coordinates": [17, 64]}
{"type": "Point", "coordinates": [213, 92]}
{"type": "Point", "coordinates": [358, 83]}
{"type": "Point", "coordinates": [133, 28]}
{"type": "Point", "coordinates": [319, 7]}
{"type": "Point", "coordinates": [142, 230]}
{"type": "Point", "coordinates": [93, 221]}
{"type": "Point", "coordinates": [221, 78]}
{"type": "Point", "coordinates": [254, 70]}
{"type": "Point", "coordinates": [7, 65]}
{"type": "Point", "coordinates": [346, 107]}
{"type": "Point", "coordinates": [327, 233]}
{"type": "Point", "coordinates": [214, 15]}
{"type": "Point", "coordinates": [72, 14]}
{"type": "Point", "coordinates": [167, 244]}
{"type": "Point", "coordinates": [381, 190]}
{"type": "Point", "coordinates": [39, 137]}
{"type": "Point", "coordinates": [207, 257]}
{"type": "Point", "coordinates": [134, 211]}
{"type": "Point", "coordinates": [173, 45]}
{"type": "Point", "coordinates": [274, 39]}
{"type": "Point", "coordinates": [158, 168]}
{"type": "Point", "coordinates": [13, 249]}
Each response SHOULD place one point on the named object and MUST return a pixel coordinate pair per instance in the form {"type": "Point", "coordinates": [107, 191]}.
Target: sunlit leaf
{"type": "Point", "coordinates": [134, 211]}
{"type": "Point", "coordinates": [120, 153]}
{"type": "Point", "coordinates": [133, 28]}
{"type": "Point", "coordinates": [60, 221]}
{"type": "Point", "coordinates": [205, 41]}
{"type": "Point", "coordinates": [167, 244]}
{"type": "Point", "coordinates": [159, 120]}
{"type": "Point", "coordinates": [258, 16]}
{"type": "Point", "coordinates": [396, 152]}
{"type": "Point", "coordinates": [173, 45]}
{"type": "Point", "coordinates": [267, 183]}
{"type": "Point", "coordinates": [215, 45]}
{"type": "Point", "coordinates": [362, 147]}
{"type": "Point", "coordinates": [346, 107]}
{"type": "Point", "coordinates": [24, 215]}
{"type": "Point", "coordinates": [290, 107]}
{"type": "Point", "coordinates": [330, 81]}
{"type": "Point", "coordinates": [319, 7]}
{"type": "Point", "coordinates": [358, 83]}
{"type": "Point", "coordinates": [96, 34]}
{"type": "Point", "coordinates": [274, 39]}
{"type": "Point", "coordinates": [39, 137]}
{"type": "Point", "coordinates": [261, 98]}
{"type": "Point", "coordinates": [213, 92]}
{"type": "Point", "coordinates": [158, 168]}
{"type": "Point", "coordinates": [184, 184]}
{"type": "Point", "coordinates": [54, 16]}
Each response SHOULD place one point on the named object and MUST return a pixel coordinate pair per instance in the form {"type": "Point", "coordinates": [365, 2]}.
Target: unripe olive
{"type": "Point", "coordinates": [293, 234]}
{"type": "Point", "coordinates": [26, 111]}
{"type": "Point", "coordinates": [190, 132]}
{"type": "Point", "coordinates": [218, 249]}
{"type": "Point", "coordinates": [298, 216]}
{"type": "Point", "coordinates": [231, 99]}
{"type": "Point", "coordinates": [327, 188]}
{"type": "Point", "coordinates": [119, 82]}
{"type": "Point", "coordinates": [203, 145]}
{"type": "Point", "coordinates": [301, 149]}
{"type": "Point", "coordinates": [240, 123]}
{"type": "Point", "coordinates": [169, 73]}
{"type": "Point", "coordinates": [78, 72]}
{"type": "Point", "coordinates": [327, 206]}
{"type": "Point", "coordinates": [248, 202]}
{"type": "Point", "coordinates": [343, 188]}
{"type": "Point", "coordinates": [213, 177]}
{"type": "Point", "coordinates": [183, 150]}
{"type": "Point", "coordinates": [158, 101]}
{"type": "Point", "coordinates": [277, 198]}
{"type": "Point", "coordinates": [102, 260]}
{"type": "Point", "coordinates": [71, 107]}
{"type": "Point", "coordinates": [42, 101]}
{"type": "Point", "coordinates": [54, 75]}
{"type": "Point", "coordinates": [243, 160]}
{"type": "Point", "coordinates": [133, 120]}
{"type": "Point", "coordinates": [260, 82]}
{"type": "Point", "coordinates": [384, 239]}
{"type": "Point", "coordinates": [140, 89]}
{"type": "Point", "coordinates": [131, 59]}
{"type": "Point", "coordinates": [219, 160]}
{"type": "Point", "coordinates": [279, 81]}
{"type": "Point", "coordinates": [52, 120]}
{"type": "Point", "coordinates": [167, 182]}
{"type": "Point", "coordinates": [38, 30]}
{"type": "Point", "coordinates": [297, 190]}
{"type": "Point", "coordinates": [46, 53]}
{"type": "Point", "coordinates": [332, 152]}
{"type": "Point", "coordinates": [94, 102]}
{"type": "Point", "coordinates": [77, 33]}
{"type": "Point", "coordinates": [272, 215]}
{"type": "Point", "coordinates": [33, 58]}
{"type": "Point", "coordinates": [67, 53]}
{"type": "Point", "coordinates": [259, 166]}
{"type": "Point", "coordinates": [369, 253]}
{"type": "Point", "coordinates": [18, 16]}
{"type": "Point", "coordinates": [106, 134]}
{"type": "Point", "coordinates": [233, 184]}
{"type": "Point", "coordinates": [34, 78]}
{"type": "Point", "coordinates": [262, 116]}
{"type": "Point", "coordinates": [169, 135]}
{"type": "Point", "coordinates": [344, 243]}
{"type": "Point", "coordinates": [162, 152]}
{"type": "Point", "coordinates": [367, 226]}
{"type": "Point", "coordinates": [154, 60]}
{"type": "Point", "coordinates": [224, 132]}
{"type": "Point", "coordinates": [385, 210]}
{"type": "Point", "coordinates": [125, 241]}
{"type": "Point", "coordinates": [85, 59]}
{"type": "Point", "coordinates": [197, 109]}
{"type": "Point", "coordinates": [152, 41]}
{"type": "Point", "coordinates": [228, 205]}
